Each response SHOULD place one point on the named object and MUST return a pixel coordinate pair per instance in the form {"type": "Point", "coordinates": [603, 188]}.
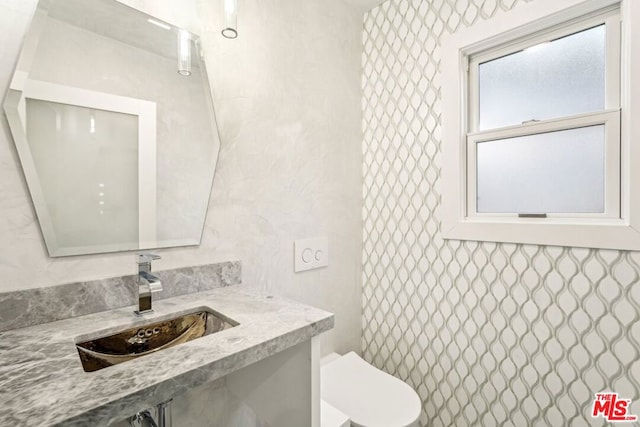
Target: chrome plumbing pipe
{"type": "Point", "coordinates": [145, 419]}
{"type": "Point", "coordinates": [164, 414]}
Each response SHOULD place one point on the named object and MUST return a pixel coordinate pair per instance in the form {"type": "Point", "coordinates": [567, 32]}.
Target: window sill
{"type": "Point", "coordinates": [604, 234]}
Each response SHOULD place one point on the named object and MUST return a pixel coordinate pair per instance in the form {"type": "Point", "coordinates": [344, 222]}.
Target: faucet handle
{"type": "Point", "coordinates": [147, 258]}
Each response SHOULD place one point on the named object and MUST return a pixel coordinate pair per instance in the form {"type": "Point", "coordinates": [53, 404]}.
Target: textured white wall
{"type": "Point", "coordinates": [287, 96]}
{"type": "Point", "coordinates": [488, 334]}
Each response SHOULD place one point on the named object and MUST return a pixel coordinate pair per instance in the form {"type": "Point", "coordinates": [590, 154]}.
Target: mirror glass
{"type": "Point", "coordinates": [112, 117]}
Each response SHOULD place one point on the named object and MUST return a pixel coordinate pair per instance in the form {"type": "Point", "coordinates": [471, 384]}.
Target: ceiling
{"type": "Point", "coordinates": [365, 5]}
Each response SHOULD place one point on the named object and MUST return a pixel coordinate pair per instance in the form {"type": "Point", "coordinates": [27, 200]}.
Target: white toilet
{"type": "Point", "coordinates": [357, 394]}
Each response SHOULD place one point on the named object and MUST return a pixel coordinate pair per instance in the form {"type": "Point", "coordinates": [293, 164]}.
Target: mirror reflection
{"type": "Point", "coordinates": [112, 117]}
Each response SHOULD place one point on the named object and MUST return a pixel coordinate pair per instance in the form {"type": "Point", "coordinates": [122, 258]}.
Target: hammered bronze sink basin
{"type": "Point", "coordinates": [136, 342]}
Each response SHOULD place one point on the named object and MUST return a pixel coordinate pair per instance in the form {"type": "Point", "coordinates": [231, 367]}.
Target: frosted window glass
{"type": "Point", "coordinates": [555, 172]}
{"type": "Point", "coordinates": [560, 78]}
{"type": "Point", "coordinates": [87, 162]}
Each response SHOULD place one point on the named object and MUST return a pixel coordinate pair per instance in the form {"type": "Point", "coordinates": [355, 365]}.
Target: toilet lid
{"type": "Point", "coordinates": [368, 396]}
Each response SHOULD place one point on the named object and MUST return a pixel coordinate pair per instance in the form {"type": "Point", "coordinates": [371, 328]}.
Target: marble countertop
{"type": "Point", "coordinates": [42, 381]}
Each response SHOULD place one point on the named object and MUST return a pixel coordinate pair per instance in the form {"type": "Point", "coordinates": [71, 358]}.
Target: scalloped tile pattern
{"type": "Point", "coordinates": [488, 334]}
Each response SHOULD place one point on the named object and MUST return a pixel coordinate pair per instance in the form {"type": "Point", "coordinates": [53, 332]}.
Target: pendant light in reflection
{"type": "Point", "coordinates": [184, 53]}
{"type": "Point", "coordinates": [92, 122]}
{"type": "Point", "coordinates": [230, 12]}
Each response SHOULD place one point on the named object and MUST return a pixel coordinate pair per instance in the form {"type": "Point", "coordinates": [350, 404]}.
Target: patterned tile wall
{"type": "Point", "coordinates": [488, 334]}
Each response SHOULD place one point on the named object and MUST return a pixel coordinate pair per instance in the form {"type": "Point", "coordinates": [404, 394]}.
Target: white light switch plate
{"type": "Point", "coordinates": [310, 253]}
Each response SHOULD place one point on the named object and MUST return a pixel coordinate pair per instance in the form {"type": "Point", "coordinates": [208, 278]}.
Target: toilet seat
{"type": "Point", "coordinates": [368, 396]}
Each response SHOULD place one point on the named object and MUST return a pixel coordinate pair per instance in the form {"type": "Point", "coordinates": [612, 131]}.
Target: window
{"type": "Point", "coordinates": [534, 142]}
{"type": "Point", "coordinates": [543, 121]}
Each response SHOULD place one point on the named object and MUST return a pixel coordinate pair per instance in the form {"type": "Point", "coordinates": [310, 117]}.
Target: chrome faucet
{"type": "Point", "coordinates": [147, 283]}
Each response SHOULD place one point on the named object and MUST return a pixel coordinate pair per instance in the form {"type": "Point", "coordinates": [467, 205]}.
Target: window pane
{"type": "Point", "coordinates": [555, 79]}
{"type": "Point", "coordinates": [555, 172]}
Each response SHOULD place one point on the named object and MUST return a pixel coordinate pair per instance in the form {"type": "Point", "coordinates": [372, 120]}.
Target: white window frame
{"type": "Point", "coordinates": [619, 226]}
{"type": "Point", "coordinates": [609, 116]}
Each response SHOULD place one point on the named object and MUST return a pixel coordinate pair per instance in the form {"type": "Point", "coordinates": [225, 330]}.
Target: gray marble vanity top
{"type": "Point", "coordinates": [42, 382]}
